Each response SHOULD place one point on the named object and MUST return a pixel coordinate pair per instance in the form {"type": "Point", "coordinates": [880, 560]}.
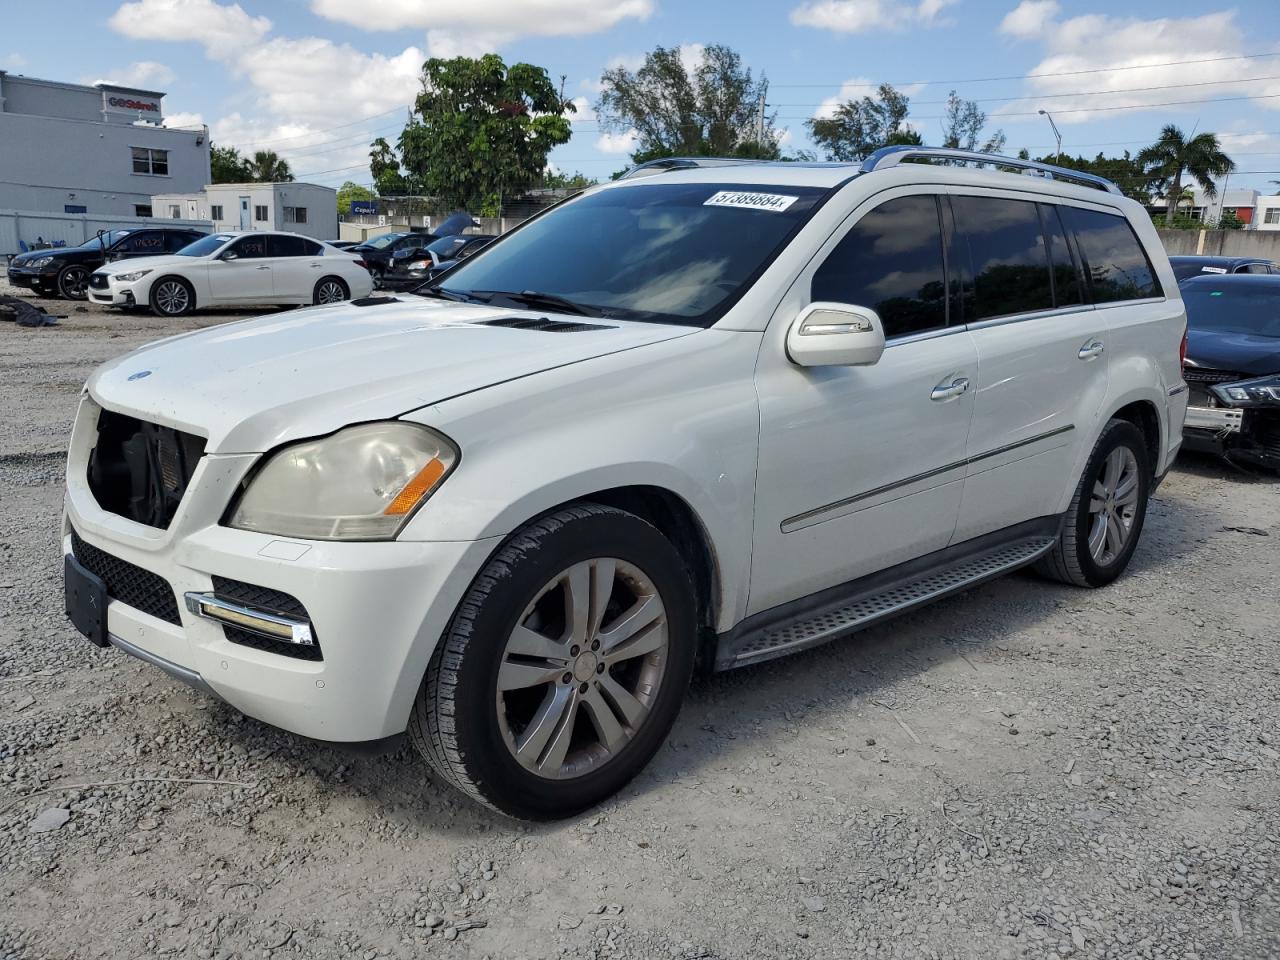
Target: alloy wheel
{"type": "Point", "coordinates": [330, 292]}
{"type": "Point", "coordinates": [172, 297]}
{"type": "Point", "coordinates": [1113, 506]}
{"type": "Point", "coordinates": [582, 668]}
{"type": "Point", "coordinates": [74, 283]}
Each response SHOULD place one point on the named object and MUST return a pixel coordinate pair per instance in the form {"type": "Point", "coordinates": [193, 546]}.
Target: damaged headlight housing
{"type": "Point", "coordinates": [361, 483]}
{"type": "Point", "coordinates": [1265, 391]}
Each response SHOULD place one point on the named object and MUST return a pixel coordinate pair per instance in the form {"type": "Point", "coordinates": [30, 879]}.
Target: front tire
{"type": "Point", "coordinates": [1103, 523]}
{"type": "Point", "coordinates": [564, 667]}
{"type": "Point", "coordinates": [73, 282]}
{"type": "Point", "coordinates": [172, 297]}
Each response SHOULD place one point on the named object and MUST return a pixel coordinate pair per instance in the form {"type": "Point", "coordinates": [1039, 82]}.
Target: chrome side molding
{"type": "Point", "coordinates": [266, 623]}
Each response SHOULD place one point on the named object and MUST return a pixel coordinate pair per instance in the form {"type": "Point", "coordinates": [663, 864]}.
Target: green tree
{"type": "Point", "coordinates": [962, 127]}
{"type": "Point", "coordinates": [227, 166]}
{"type": "Point", "coordinates": [266, 166]}
{"type": "Point", "coordinates": [352, 191]}
{"type": "Point", "coordinates": [1174, 154]}
{"type": "Point", "coordinates": [384, 165]}
{"type": "Point", "coordinates": [480, 131]}
{"type": "Point", "coordinates": [1124, 171]}
{"type": "Point", "coordinates": [711, 108]}
{"type": "Point", "coordinates": [567, 181]}
{"type": "Point", "coordinates": [859, 127]}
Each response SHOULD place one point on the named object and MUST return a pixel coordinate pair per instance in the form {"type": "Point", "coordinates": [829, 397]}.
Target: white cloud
{"type": "Point", "coordinates": [583, 111]}
{"type": "Point", "coordinates": [628, 61]}
{"type": "Point", "coordinates": [1097, 42]}
{"type": "Point", "coordinates": [222, 28]}
{"type": "Point", "coordinates": [618, 142]}
{"type": "Point", "coordinates": [182, 119]}
{"type": "Point", "coordinates": [448, 44]}
{"type": "Point", "coordinates": [13, 61]}
{"type": "Point", "coordinates": [856, 89]}
{"type": "Point", "coordinates": [1029, 18]}
{"type": "Point", "coordinates": [857, 16]}
{"type": "Point", "coordinates": [144, 73]}
{"type": "Point", "coordinates": [541, 18]}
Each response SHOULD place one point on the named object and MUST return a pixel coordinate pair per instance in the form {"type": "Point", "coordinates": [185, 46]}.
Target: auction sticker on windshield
{"type": "Point", "coordinates": [774, 202]}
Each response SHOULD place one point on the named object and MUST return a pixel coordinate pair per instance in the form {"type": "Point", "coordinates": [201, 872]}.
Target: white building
{"type": "Point", "coordinates": [1239, 202]}
{"type": "Point", "coordinates": [305, 208]}
{"type": "Point", "coordinates": [1267, 215]}
{"type": "Point", "coordinates": [100, 150]}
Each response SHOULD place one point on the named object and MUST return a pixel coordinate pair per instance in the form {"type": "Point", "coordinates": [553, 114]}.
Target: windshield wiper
{"type": "Point", "coordinates": [440, 293]}
{"type": "Point", "coordinates": [536, 298]}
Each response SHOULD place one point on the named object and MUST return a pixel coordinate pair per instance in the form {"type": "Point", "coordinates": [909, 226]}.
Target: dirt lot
{"type": "Point", "coordinates": [1026, 770]}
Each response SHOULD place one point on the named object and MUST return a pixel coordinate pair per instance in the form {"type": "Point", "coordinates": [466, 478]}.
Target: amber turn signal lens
{"type": "Point", "coordinates": [416, 488]}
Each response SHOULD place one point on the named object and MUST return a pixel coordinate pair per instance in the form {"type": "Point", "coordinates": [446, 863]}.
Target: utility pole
{"type": "Point", "coordinates": [760, 128]}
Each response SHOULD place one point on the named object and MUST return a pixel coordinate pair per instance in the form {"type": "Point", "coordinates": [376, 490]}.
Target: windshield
{"type": "Point", "coordinates": [666, 252]}
{"type": "Point", "coordinates": [204, 246]}
{"type": "Point", "coordinates": [384, 241]}
{"type": "Point", "coordinates": [1254, 310]}
{"type": "Point", "coordinates": [106, 240]}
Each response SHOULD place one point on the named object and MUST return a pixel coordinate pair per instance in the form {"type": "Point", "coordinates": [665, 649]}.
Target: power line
{"type": "Point", "coordinates": [1034, 76]}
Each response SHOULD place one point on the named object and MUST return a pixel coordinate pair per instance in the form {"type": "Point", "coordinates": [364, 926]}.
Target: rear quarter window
{"type": "Point", "coordinates": [1115, 264]}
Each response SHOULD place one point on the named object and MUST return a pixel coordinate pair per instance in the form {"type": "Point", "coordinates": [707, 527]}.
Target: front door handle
{"type": "Point", "coordinates": [1092, 350]}
{"type": "Point", "coordinates": [945, 392]}
{"type": "Point", "coordinates": [262, 268]}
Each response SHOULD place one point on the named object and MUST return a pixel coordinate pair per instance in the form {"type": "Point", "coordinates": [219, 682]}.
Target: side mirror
{"type": "Point", "coordinates": [835, 335]}
{"type": "Point", "coordinates": [229, 255]}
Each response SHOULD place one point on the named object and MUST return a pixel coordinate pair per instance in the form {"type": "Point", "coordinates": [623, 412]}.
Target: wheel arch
{"type": "Point", "coordinates": [1144, 415]}
{"type": "Point", "coordinates": [315, 288]}
{"type": "Point", "coordinates": [195, 294]}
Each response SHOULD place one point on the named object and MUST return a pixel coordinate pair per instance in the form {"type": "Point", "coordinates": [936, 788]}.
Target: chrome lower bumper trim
{"type": "Point", "coordinates": [168, 666]}
{"type": "Point", "coordinates": [266, 623]}
{"type": "Point", "coordinates": [1218, 419]}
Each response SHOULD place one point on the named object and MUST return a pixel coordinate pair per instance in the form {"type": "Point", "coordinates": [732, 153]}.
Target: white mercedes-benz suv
{"type": "Point", "coordinates": [706, 415]}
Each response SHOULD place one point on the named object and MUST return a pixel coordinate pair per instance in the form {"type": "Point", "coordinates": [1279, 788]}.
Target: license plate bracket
{"type": "Point", "coordinates": [86, 602]}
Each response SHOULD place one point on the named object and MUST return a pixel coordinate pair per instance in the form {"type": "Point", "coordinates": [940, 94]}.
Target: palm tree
{"type": "Point", "coordinates": [1187, 196]}
{"type": "Point", "coordinates": [1173, 155]}
{"type": "Point", "coordinates": [267, 167]}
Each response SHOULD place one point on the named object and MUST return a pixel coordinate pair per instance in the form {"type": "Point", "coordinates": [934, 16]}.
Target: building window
{"type": "Point", "coordinates": [1272, 215]}
{"type": "Point", "coordinates": [295, 214]}
{"type": "Point", "coordinates": [260, 213]}
{"type": "Point", "coordinates": [74, 208]}
{"type": "Point", "coordinates": [142, 209]}
{"type": "Point", "coordinates": [215, 212]}
{"type": "Point", "coordinates": [175, 212]}
{"type": "Point", "coordinates": [152, 162]}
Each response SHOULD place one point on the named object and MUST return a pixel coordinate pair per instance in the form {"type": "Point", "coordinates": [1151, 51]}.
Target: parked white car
{"type": "Point", "coordinates": [708, 416]}
{"type": "Point", "coordinates": [234, 269]}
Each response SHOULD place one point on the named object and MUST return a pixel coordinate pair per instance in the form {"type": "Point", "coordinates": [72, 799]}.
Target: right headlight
{"type": "Point", "coordinates": [361, 483]}
{"type": "Point", "coordinates": [41, 263]}
{"type": "Point", "coordinates": [1265, 391]}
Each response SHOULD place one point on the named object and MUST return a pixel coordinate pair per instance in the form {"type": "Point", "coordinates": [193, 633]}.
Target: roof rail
{"type": "Point", "coordinates": [664, 164]}
{"type": "Point", "coordinates": [887, 157]}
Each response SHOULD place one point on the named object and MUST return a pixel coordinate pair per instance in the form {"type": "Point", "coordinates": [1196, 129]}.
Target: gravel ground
{"type": "Point", "coordinates": [1026, 770]}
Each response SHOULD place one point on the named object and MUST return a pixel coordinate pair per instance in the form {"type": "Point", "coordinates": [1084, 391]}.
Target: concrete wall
{"type": "Point", "coordinates": [47, 163]}
{"type": "Point", "coordinates": [1222, 243]}
{"type": "Point", "coordinates": [73, 228]}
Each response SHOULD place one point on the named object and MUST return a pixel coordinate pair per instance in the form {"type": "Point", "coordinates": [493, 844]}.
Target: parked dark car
{"type": "Point", "coordinates": [1185, 268]}
{"type": "Point", "coordinates": [1233, 367]}
{"type": "Point", "coordinates": [343, 244]}
{"type": "Point", "coordinates": [65, 271]}
{"type": "Point", "coordinates": [417, 267]}
{"type": "Point", "coordinates": [378, 251]}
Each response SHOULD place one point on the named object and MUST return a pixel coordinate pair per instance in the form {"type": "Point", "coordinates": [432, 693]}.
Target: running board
{"type": "Point", "coordinates": [877, 601]}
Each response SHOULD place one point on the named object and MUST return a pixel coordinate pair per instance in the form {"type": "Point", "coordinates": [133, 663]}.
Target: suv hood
{"type": "Point", "coordinates": [1236, 352]}
{"type": "Point", "coordinates": [250, 386]}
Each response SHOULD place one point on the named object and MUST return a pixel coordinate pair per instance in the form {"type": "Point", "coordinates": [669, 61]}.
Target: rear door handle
{"type": "Point", "coordinates": [262, 268]}
{"type": "Point", "coordinates": [945, 392]}
{"type": "Point", "coordinates": [1092, 350]}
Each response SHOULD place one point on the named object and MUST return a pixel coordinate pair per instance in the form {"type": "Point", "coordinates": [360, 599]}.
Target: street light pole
{"type": "Point", "coordinates": [1057, 135]}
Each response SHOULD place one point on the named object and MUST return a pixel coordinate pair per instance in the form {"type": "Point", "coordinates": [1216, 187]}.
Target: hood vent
{"type": "Point", "coordinates": [544, 325]}
{"type": "Point", "coordinates": [373, 301]}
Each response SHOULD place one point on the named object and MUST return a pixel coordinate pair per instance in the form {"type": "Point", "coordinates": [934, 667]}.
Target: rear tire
{"type": "Point", "coordinates": [330, 290]}
{"type": "Point", "coordinates": [601, 681]}
{"type": "Point", "coordinates": [1104, 522]}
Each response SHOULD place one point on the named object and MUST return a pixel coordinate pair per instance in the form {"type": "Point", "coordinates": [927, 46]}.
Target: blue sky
{"type": "Point", "coordinates": [317, 79]}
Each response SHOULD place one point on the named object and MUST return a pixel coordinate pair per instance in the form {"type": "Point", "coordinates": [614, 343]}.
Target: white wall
{"type": "Point", "coordinates": [73, 228]}
{"type": "Point", "coordinates": [321, 204]}
{"type": "Point", "coordinates": [1260, 213]}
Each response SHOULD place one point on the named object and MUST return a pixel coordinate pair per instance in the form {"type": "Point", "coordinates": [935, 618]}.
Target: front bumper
{"type": "Point", "coordinates": [114, 294]}
{"type": "Point", "coordinates": [1249, 434]}
{"type": "Point", "coordinates": [377, 609]}
{"type": "Point", "coordinates": [33, 280]}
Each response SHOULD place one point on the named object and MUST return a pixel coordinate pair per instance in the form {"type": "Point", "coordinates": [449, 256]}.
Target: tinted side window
{"type": "Point", "coordinates": [175, 240]}
{"type": "Point", "coordinates": [1114, 261]}
{"type": "Point", "coordinates": [1256, 268]}
{"type": "Point", "coordinates": [1066, 278]}
{"type": "Point", "coordinates": [251, 248]}
{"type": "Point", "coordinates": [146, 241]}
{"type": "Point", "coordinates": [311, 248]}
{"type": "Point", "coordinates": [280, 246]}
{"type": "Point", "coordinates": [1010, 262]}
{"type": "Point", "coordinates": [892, 262]}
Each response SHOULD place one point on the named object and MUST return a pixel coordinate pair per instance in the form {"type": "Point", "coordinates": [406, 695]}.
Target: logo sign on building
{"type": "Point", "coordinates": [364, 206]}
{"type": "Point", "coordinates": [130, 103]}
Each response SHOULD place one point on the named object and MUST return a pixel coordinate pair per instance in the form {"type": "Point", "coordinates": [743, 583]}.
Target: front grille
{"type": "Point", "coordinates": [272, 601]}
{"type": "Point", "coordinates": [131, 585]}
{"type": "Point", "coordinates": [98, 281]}
{"type": "Point", "coordinates": [140, 470]}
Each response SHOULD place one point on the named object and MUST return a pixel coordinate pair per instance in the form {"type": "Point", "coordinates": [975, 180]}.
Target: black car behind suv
{"type": "Point", "coordinates": [64, 271]}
